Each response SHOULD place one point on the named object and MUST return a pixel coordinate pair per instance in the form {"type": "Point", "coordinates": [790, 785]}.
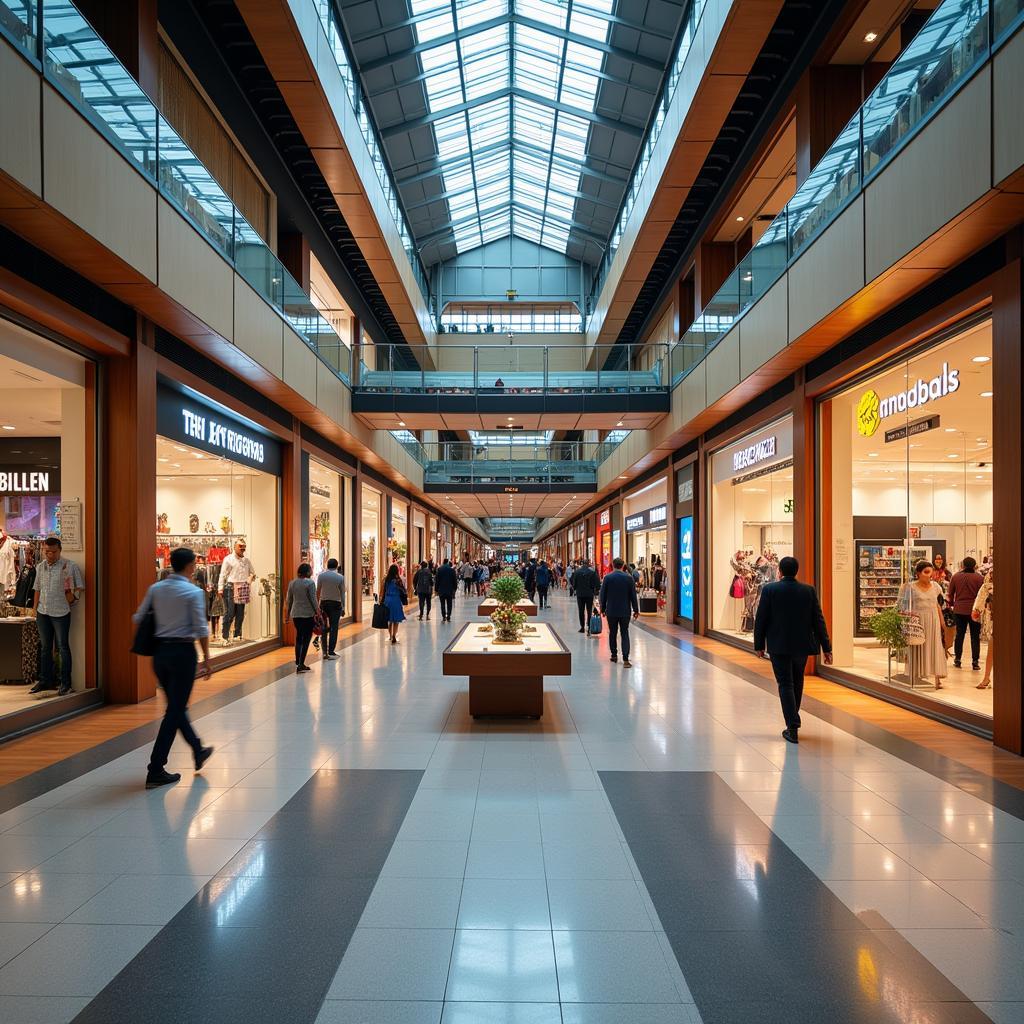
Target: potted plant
{"type": "Point", "coordinates": [887, 628]}
{"type": "Point", "coordinates": [508, 590]}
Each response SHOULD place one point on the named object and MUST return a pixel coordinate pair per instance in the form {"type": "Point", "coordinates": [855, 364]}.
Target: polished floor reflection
{"type": "Point", "coordinates": [367, 852]}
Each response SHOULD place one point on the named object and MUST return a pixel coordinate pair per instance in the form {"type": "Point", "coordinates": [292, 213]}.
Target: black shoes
{"type": "Point", "coordinates": [614, 657]}
{"type": "Point", "coordinates": [41, 688]}
{"type": "Point", "coordinates": [790, 735]}
{"type": "Point", "coordinates": [582, 630]}
{"type": "Point", "coordinates": [956, 664]}
{"type": "Point", "coordinates": [975, 666]}
{"type": "Point", "coordinates": [302, 668]}
{"type": "Point", "coordinates": [161, 778]}
{"type": "Point", "coordinates": [63, 691]}
{"type": "Point", "coordinates": [202, 757]}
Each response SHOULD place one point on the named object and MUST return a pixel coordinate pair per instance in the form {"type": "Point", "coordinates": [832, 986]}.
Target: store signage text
{"type": "Point", "coordinates": [686, 567]}
{"type": "Point", "coordinates": [30, 482]}
{"type": "Point", "coordinates": [872, 408]}
{"type": "Point", "coordinates": [753, 454]}
{"type": "Point", "coordinates": [776, 467]}
{"type": "Point", "coordinates": [323, 492]}
{"type": "Point", "coordinates": [206, 428]}
{"type": "Point", "coordinates": [652, 518]}
{"type": "Point", "coordinates": [912, 429]}
{"type": "Point", "coordinates": [605, 517]}
{"type": "Point", "coordinates": [511, 490]}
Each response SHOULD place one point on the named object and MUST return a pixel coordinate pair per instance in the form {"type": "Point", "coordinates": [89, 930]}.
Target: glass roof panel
{"type": "Point", "coordinates": [511, 154]}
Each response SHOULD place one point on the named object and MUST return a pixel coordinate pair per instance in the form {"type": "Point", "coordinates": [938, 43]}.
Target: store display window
{"type": "Point", "coordinates": [751, 524]}
{"type": "Point", "coordinates": [370, 546]}
{"type": "Point", "coordinates": [645, 519]}
{"type": "Point", "coordinates": [329, 512]}
{"type": "Point", "coordinates": [218, 493]}
{"type": "Point", "coordinates": [906, 477]}
{"type": "Point", "coordinates": [398, 542]}
{"type": "Point", "coordinates": [47, 441]}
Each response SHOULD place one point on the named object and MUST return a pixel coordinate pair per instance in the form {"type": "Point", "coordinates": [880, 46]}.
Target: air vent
{"type": "Point", "coordinates": [27, 376]}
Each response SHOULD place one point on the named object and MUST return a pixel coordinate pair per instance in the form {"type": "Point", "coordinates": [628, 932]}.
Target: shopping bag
{"type": "Point", "coordinates": [380, 618]}
{"type": "Point", "coordinates": [595, 625]}
{"type": "Point", "coordinates": [913, 629]}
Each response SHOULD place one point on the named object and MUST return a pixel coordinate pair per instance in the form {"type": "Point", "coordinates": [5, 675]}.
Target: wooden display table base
{"type": "Point", "coordinates": [489, 605]}
{"type": "Point", "coordinates": [506, 696]}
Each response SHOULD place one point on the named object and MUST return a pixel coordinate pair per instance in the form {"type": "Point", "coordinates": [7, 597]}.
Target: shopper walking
{"type": "Point", "coordinates": [57, 589]}
{"type": "Point", "coordinates": [302, 607]}
{"type": "Point", "coordinates": [963, 589]}
{"type": "Point", "coordinates": [922, 597]}
{"type": "Point", "coordinates": [179, 620]}
{"type": "Point", "coordinates": [330, 592]}
{"type": "Point", "coordinates": [236, 576]}
{"type": "Point", "coordinates": [984, 612]}
{"type": "Point", "coordinates": [789, 628]}
{"type": "Point", "coordinates": [584, 583]}
{"type": "Point", "coordinates": [617, 601]}
{"type": "Point", "coordinates": [543, 582]}
{"type": "Point", "coordinates": [530, 579]}
{"type": "Point", "coordinates": [423, 588]}
{"type": "Point", "coordinates": [395, 600]}
{"type": "Point", "coordinates": [466, 572]}
{"type": "Point", "coordinates": [445, 586]}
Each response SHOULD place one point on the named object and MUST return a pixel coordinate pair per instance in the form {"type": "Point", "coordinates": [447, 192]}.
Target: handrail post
{"type": "Point", "coordinates": [476, 368]}
{"type": "Point", "coordinates": [546, 382]}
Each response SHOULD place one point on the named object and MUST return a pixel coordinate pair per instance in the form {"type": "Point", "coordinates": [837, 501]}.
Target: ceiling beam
{"type": "Point", "coordinates": [411, 124]}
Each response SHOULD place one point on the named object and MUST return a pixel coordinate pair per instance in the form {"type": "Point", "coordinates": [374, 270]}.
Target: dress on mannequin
{"type": "Point", "coordinates": [8, 573]}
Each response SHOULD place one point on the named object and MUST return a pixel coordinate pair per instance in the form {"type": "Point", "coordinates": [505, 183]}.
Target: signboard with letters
{"type": "Point", "coordinates": [650, 519]}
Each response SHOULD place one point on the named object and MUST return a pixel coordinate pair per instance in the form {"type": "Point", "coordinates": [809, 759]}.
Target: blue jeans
{"type": "Point", "coordinates": [53, 627]}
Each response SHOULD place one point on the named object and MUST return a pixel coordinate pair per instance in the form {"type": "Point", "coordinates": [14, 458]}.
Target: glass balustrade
{"type": "Point", "coordinates": [18, 20]}
{"type": "Point", "coordinates": [950, 46]}
{"type": "Point", "coordinates": [517, 369]}
{"type": "Point", "coordinates": [77, 60]}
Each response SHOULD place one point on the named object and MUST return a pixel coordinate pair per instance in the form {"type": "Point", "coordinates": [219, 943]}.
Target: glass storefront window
{"type": "Point", "coordinates": [47, 439]}
{"type": "Point", "coordinates": [325, 522]}
{"type": "Point", "coordinates": [907, 477]}
{"type": "Point", "coordinates": [370, 553]}
{"type": "Point", "coordinates": [222, 509]}
{"type": "Point", "coordinates": [398, 544]}
{"type": "Point", "coordinates": [751, 518]}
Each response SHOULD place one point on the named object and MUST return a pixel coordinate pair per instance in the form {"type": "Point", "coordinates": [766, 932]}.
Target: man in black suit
{"type": "Point", "coordinates": [584, 583]}
{"type": "Point", "coordinates": [446, 583]}
{"type": "Point", "coordinates": [790, 624]}
{"type": "Point", "coordinates": [618, 598]}
{"type": "Point", "coordinates": [530, 579]}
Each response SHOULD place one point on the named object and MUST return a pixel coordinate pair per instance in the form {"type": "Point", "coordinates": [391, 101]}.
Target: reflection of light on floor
{"type": "Point", "coordinates": [889, 864]}
{"type": "Point", "coordinates": [749, 864]}
{"type": "Point", "coordinates": [28, 886]}
{"type": "Point", "coordinates": [867, 973]}
{"type": "Point", "coordinates": [201, 825]}
{"type": "Point", "coordinates": [231, 895]}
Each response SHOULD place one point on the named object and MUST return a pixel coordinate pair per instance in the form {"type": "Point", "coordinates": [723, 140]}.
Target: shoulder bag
{"type": "Point", "coordinates": [145, 642]}
{"type": "Point", "coordinates": [380, 617]}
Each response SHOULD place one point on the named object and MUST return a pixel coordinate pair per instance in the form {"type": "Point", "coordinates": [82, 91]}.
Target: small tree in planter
{"type": "Point", "coordinates": [508, 621]}
{"type": "Point", "coordinates": [887, 628]}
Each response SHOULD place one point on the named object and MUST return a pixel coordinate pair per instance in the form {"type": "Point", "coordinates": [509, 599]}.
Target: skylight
{"type": "Point", "coordinates": [512, 148]}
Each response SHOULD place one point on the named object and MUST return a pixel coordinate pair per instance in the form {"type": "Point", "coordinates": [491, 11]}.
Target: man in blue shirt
{"type": "Point", "coordinates": [617, 600]}
{"type": "Point", "coordinates": [179, 610]}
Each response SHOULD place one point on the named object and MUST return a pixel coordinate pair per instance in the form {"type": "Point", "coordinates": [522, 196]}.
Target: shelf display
{"type": "Point", "coordinates": [882, 567]}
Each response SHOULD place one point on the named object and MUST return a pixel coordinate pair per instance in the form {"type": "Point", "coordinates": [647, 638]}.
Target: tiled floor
{"type": "Point", "coordinates": [510, 893]}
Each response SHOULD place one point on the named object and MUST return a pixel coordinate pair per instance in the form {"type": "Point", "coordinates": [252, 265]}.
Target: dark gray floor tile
{"type": "Point", "coordinates": [307, 857]}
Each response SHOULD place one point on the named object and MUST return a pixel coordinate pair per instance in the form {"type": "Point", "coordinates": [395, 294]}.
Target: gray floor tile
{"type": "Point", "coordinates": [426, 858]}
{"type": "Point", "coordinates": [502, 966]}
{"type": "Point", "coordinates": [510, 859]}
{"type": "Point", "coordinates": [40, 896]}
{"type": "Point", "coordinates": [371, 970]}
{"type": "Point", "coordinates": [613, 905]}
{"type": "Point", "coordinates": [15, 937]}
{"type": "Point", "coordinates": [139, 899]}
{"type": "Point", "coordinates": [340, 1011]}
{"type": "Point", "coordinates": [585, 859]}
{"type": "Point", "coordinates": [504, 903]}
{"type": "Point", "coordinates": [501, 1013]}
{"type": "Point", "coordinates": [413, 903]}
{"type": "Point", "coordinates": [613, 967]}
{"type": "Point", "coordinates": [39, 1009]}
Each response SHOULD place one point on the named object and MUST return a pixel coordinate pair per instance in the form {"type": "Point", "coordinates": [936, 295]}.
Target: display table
{"type": "Point", "coordinates": [489, 605]}
{"type": "Point", "coordinates": [506, 680]}
{"type": "Point", "coordinates": [19, 650]}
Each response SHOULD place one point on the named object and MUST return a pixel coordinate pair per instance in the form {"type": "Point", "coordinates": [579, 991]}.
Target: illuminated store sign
{"type": "Point", "coordinates": [872, 408]}
{"type": "Point", "coordinates": [19, 482]}
{"type": "Point", "coordinates": [605, 517]}
{"type": "Point", "coordinates": [686, 567]}
{"type": "Point", "coordinates": [754, 454]}
{"type": "Point", "coordinates": [29, 465]}
{"type": "Point", "coordinates": [650, 519]}
{"type": "Point", "coordinates": [206, 428]}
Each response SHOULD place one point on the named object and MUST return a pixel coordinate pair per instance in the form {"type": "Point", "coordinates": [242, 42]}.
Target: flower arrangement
{"type": "Point", "coordinates": [508, 589]}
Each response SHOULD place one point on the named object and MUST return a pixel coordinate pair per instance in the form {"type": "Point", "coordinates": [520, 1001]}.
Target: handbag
{"type": "Point", "coordinates": [912, 629]}
{"type": "Point", "coordinates": [380, 617]}
{"type": "Point", "coordinates": [948, 618]}
{"type": "Point", "coordinates": [738, 587]}
{"type": "Point", "coordinates": [318, 624]}
{"type": "Point", "coordinates": [145, 642]}
{"type": "Point", "coordinates": [595, 624]}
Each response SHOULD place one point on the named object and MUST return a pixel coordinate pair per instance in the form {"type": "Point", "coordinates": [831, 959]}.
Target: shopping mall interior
{"type": "Point", "coordinates": [498, 511]}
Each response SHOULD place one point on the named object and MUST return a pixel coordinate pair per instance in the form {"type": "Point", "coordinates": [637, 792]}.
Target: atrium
{"type": "Point", "coordinates": [540, 455]}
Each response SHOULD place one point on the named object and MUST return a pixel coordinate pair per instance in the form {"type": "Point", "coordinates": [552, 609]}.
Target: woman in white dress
{"type": "Point", "coordinates": [920, 597]}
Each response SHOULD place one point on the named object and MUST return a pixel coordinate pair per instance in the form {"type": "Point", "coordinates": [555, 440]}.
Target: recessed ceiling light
{"type": "Point", "coordinates": [978, 476]}
{"type": "Point", "coordinates": [739, 218]}
{"type": "Point", "coordinates": [163, 459]}
{"type": "Point", "coordinates": [401, 423]}
{"type": "Point", "coordinates": [870, 37]}
{"type": "Point", "coordinates": [872, 455]}
{"type": "Point", "coordinates": [952, 455]}
{"type": "Point", "coordinates": [950, 430]}
{"type": "Point", "coordinates": [981, 359]}
{"type": "Point", "coordinates": [986, 394]}
{"type": "Point", "coordinates": [9, 426]}
{"type": "Point", "coordinates": [619, 424]}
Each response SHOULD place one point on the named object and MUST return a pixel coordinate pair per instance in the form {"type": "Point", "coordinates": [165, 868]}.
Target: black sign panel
{"type": "Point", "coordinates": [209, 428]}
{"type": "Point", "coordinates": [29, 465]}
{"type": "Point", "coordinates": [921, 426]}
{"type": "Point", "coordinates": [649, 519]}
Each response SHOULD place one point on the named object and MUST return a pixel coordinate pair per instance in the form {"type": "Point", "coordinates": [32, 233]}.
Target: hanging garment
{"type": "Point", "coordinates": [23, 590]}
{"type": "Point", "coordinates": [8, 573]}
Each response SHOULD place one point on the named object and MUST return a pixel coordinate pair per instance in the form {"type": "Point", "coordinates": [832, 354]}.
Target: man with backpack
{"type": "Point", "coordinates": [584, 583]}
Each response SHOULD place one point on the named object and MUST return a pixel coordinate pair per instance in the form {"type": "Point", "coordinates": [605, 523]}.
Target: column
{"type": "Point", "coordinates": [129, 28]}
{"type": "Point", "coordinates": [826, 98]}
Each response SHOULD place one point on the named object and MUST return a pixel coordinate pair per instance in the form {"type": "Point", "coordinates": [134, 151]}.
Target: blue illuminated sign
{"type": "Point", "coordinates": [686, 567]}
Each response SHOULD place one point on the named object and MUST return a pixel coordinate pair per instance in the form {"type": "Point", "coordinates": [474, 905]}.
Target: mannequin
{"type": "Point", "coordinates": [8, 575]}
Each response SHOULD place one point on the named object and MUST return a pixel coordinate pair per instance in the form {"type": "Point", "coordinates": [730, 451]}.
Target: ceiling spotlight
{"type": "Point", "coordinates": [952, 455]}
{"type": "Point", "coordinates": [401, 423]}
{"type": "Point", "coordinates": [982, 359]}
{"type": "Point", "coordinates": [870, 37]}
{"type": "Point", "coordinates": [9, 426]}
{"type": "Point", "coordinates": [739, 218]}
{"type": "Point", "coordinates": [872, 455]}
{"type": "Point", "coordinates": [986, 394]}
{"type": "Point", "coordinates": [619, 424]}
{"type": "Point", "coordinates": [950, 430]}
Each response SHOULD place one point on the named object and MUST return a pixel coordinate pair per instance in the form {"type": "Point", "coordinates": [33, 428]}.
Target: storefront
{"type": "Point", "coordinates": [750, 517]}
{"type": "Point", "coordinates": [370, 546]}
{"type": "Point", "coordinates": [645, 522]}
{"type": "Point", "coordinates": [47, 489]}
{"type": "Point", "coordinates": [398, 536]}
{"type": "Point", "coordinates": [218, 492]}
{"type": "Point", "coordinates": [419, 538]}
{"type": "Point", "coordinates": [907, 463]}
{"type": "Point", "coordinates": [686, 546]}
{"type": "Point", "coordinates": [328, 519]}
{"type": "Point", "coordinates": [604, 541]}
